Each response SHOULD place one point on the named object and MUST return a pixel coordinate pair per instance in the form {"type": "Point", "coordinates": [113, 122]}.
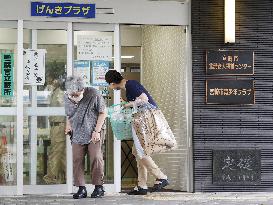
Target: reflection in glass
{"type": "Point", "coordinates": [8, 44]}
{"type": "Point", "coordinates": [7, 150]}
{"type": "Point", "coordinates": [55, 74]}
{"type": "Point", "coordinates": [51, 150]}
{"type": "Point", "coordinates": [51, 145]}
{"type": "Point", "coordinates": [51, 95]}
{"type": "Point", "coordinates": [56, 154]}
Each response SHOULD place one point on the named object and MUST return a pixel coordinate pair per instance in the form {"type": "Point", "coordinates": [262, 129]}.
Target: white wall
{"type": "Point", "coordinates": [130, 36]}
{"type": "Point", "coordinates": [164, 75]}
{"type": "Point", "coordinates": [125, 11]}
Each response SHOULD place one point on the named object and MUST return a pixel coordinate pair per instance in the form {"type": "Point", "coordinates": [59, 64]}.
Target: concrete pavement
{"type": "Point", "coordinates": [166, 198]}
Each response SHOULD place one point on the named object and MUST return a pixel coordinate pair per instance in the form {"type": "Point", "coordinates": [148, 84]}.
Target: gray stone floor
{"type": "Point", "coordinates": [165, 198]}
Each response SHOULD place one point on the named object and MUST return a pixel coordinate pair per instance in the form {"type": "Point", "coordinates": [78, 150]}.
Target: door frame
{"type": "Point", "coordinates": [19, 111]}
{"type": "Point", "coordinates": [16, 111]}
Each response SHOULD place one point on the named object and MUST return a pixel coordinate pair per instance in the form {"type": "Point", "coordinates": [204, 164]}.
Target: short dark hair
{"type": "Point", "coordinates": [113, 76]}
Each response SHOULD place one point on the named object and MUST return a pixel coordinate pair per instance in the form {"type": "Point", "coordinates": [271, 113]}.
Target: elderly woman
{"type": "Point", "coordinates": [85, 110]}
{"type": "Point", "coordinates": [150, 136]}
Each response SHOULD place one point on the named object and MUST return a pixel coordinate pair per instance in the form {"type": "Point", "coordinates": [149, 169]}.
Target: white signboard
{"type": "Point", "coordinates": [94, 47]}
{"type": "Point", "coordinates": [34, 66]}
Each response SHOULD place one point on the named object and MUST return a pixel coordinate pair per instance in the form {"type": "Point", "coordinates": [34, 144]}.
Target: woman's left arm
{"type": "Point", "coordinates": [100, 121]}
{"type": "Point", "coordinates": [96, 136]}
{"type": "Point", "coordinates": [101, 108]}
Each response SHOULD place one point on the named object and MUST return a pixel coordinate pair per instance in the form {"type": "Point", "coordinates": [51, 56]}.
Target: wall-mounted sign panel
{"type": "Point", "coordinates": [230, 62]}
{"type": "Point", "coordinates": [240, 167]}
{"type": "Point", "coordinates": [230, 91]}
{"type": "Point", "coordinates": [63, 10]}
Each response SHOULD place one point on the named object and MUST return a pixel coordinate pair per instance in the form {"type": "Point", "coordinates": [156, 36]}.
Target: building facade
{"type": "Point", "coordinates": [32, 114]}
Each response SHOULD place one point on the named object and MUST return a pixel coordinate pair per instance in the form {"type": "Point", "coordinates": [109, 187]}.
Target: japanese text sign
{"type": "Point", "coordinates": [94, 47]}
{"type": "Point", "coordinates": [99, 69]}
{"type": "Point", "coordinates": [7, 60]}
{"type": "Point", "coordinates": [230, 91]}
{"type": "Point", "coordinates": [230, 62]}
{"type": "Point", "coordinates": [63, 10]}
{"type": "Point", "coordinates": [241, 166]}
{"type": "Point", "coordinates": [34, 66]}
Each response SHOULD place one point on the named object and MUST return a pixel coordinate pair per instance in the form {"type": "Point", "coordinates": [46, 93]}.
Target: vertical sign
{"type": "Point", "coordinates": [94, 48]}
{"type": "Point", "coordinates": [7, 60]}
{"type": "Point", "coordinates": [82, 69]}
{"type": "Point", "coordinates": [34, 66]}
{"type": "Point", "coordinates": [99, 69]}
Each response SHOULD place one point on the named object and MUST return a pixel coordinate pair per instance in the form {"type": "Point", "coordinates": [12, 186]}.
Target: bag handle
{"type": "Point", "coordinates": [122, 103]}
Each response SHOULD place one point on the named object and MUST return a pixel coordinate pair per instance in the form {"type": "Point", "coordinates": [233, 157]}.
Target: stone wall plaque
{"type": "Point", "coordinates": [241, 167]}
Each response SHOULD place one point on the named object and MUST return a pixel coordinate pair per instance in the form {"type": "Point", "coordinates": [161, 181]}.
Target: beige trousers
{"type": "Point", "coordinates": [144, 165]}
{"type": "Point", "coordinates": [96, 163]}
{"type": "Point", "coordinates": [57, 157]}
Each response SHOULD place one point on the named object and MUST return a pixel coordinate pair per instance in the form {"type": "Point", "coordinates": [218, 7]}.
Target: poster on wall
{"type": "Point", "coordinates": [82, 69]}
{"type": "Point", "coordinates": [7, 60]}
{"type": "Point", "coordinates": [99, 69]}
{"type": "Point", "coordinates": [94, 47]}
{"type": "Point", "coordinates": [34, 66]}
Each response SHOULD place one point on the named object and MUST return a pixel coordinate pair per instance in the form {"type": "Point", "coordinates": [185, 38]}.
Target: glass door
{"type": "Point", "coordinates": [47, 151]}
{"type": "Point", "coordinates": [35, 155]}
{"type": "Point", "coordinates": [45, 143]}
{"type": "Point", "coordinates": [96, 50]}
{"type": "Point", "coordinates": [8, 104]}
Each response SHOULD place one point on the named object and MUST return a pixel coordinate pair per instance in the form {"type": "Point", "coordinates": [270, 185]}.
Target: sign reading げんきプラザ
{"type": "Point", "coordinates": [63, 10]}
